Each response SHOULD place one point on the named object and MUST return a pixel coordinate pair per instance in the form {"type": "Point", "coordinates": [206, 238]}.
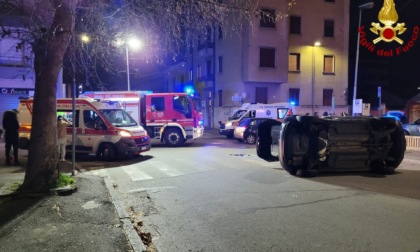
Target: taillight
{"type": "Point", "coordinates": [290, 112]}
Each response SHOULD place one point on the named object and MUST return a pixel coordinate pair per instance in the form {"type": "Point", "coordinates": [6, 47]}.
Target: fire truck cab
{"type": "Point", "coordinates": [172, 118]}
{"type": "Point", "coordinates": [103, 128]}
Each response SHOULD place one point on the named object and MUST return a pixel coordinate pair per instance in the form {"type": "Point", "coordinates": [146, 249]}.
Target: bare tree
{"type": "Point", "coordinates": [51, 24]}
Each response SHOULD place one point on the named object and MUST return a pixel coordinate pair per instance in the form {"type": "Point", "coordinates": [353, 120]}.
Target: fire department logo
{"type": "Point", "coordinates": [388, 30]}
{"type": "Point", "coordinates": [388, 16]}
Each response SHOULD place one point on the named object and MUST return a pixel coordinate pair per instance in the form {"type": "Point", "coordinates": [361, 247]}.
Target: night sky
{"type": "Point", "coordinates": [398, 75]}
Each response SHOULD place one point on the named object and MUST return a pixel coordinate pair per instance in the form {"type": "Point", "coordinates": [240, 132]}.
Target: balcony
{"type": "Point", "coordinates": [15, 61]}
{"type": "Point", "coordinates": [205, 49]}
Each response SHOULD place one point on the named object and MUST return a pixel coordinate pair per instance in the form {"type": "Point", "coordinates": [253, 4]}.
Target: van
{"type": "Point", "coordinates": [103, 128]}
{"type": "Point", "coordinates": [276, 111]}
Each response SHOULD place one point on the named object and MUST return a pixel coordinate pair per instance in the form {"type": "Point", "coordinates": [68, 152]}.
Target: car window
{"type": "Point", "coordinates": [243, 122]}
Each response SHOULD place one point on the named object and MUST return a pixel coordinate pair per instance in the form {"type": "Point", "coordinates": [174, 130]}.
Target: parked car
{"type": "Point", "coordinates": [308, 145]}
{"type": "Point", "coordinates": [247, 129]}
{"type": "Point", "coordinates": [412, 129]}
{"type": "Point", "coordinates": [397, 114]}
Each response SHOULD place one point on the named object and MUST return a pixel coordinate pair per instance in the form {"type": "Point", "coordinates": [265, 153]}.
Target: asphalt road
{"type": "Point", "coordinates": [217, 195]}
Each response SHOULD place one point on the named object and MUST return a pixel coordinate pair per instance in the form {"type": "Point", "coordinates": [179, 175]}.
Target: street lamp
{"type": "Point", "coordinates": [135, 44]}
{"type": "Point", "coordinates": [85, 39]}
{"type": "Point", "coordinates": [362, 7]}
{"type": "Point", "coordinates": [313, 75]}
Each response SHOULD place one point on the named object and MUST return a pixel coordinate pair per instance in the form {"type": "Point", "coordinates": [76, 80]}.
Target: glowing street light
{"type": "Point", "coordinates": [134, 44]}
{"type": "Point", "coordinates": [85, 39]}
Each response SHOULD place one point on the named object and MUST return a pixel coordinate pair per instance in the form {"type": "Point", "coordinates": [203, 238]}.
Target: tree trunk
{"type": "Point", "coordinates": [49, 51]}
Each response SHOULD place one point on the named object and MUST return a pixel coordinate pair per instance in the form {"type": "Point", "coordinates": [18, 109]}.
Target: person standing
{"type": "Point", "coordinates": [11, 127]}
{"type": "Point", "coordinates": [61, 137]}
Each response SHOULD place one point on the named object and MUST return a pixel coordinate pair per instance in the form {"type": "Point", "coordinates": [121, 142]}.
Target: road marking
{"type": "Point", "coordinates": [135, 173]}
{"type": "Point", "coordinates": [101, 173]}
{"type": "Point", "coordinates": [163, 167]}
{"type": "Point", "coordinates": [150, 189]}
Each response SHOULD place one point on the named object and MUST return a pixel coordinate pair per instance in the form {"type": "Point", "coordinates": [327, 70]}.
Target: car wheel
{"type": "Point", "coordinates": [106, 152]}
{"type": "Point", "coordinates": [174, 138]}
{"type": "Point", "coordinates": [250, 139]}
{"type": "Point", "coordinates": [380, 166]}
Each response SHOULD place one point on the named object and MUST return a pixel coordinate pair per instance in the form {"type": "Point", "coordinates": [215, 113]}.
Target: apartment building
{"type": "Point", "coordinates": [318, 56]}
{"type": "Point", "coordinates": [17, 76]}
{"type": "Point", "coordinates": [272, 61]}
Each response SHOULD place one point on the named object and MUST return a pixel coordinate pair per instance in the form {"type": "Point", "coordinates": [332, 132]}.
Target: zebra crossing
{"type": "Point", "coordinates": [167, 167]}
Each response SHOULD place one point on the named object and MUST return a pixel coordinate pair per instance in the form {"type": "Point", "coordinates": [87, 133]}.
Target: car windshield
{"type": "Point", "coordinates": [119, 117]}
{"type": "Point", "coordinates": [238, 114]}
{"type": "Point", "coordinates": [244, 122]}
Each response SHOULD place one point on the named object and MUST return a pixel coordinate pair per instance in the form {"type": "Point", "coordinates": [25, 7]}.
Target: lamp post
{"type": "Point", "coordinates": [313, 76]}
{"type": "Point", "coordinates": [362, 7]}
{"type": "Point", "coordinates": [85, 39]}
{"type": "Point", "coordinates": [134, 43]}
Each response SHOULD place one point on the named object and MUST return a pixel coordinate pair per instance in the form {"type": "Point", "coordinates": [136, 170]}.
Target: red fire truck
{"type": "Point", "coordinates": [172, 118]}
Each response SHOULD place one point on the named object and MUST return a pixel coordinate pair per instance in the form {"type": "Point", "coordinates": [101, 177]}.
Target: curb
{"type": "Point", "coordinates": [131, 233]}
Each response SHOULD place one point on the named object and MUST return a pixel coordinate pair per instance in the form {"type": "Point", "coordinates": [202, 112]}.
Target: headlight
{"type": "Point", "coordinates": [228, 124]}
{"type": "Point", "coordinates": [124, 133]}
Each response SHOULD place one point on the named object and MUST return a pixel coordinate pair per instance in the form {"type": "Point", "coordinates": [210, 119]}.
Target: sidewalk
{"type": "Point", "coordinates": [87, 220]}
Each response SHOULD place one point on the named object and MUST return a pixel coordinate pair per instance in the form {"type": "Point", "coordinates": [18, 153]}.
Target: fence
{"type": "Point", "coordinates": [413, 143]}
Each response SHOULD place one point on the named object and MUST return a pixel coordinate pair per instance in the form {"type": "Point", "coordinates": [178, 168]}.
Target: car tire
{"type": "Point", "coordinates": [106, 152]}
{"type": "Point", "coordinates": [380, 166]}
{"type": "Point", "coordinates": [250, 139]}
{"type": "Point", "coordinates": [174, 138]}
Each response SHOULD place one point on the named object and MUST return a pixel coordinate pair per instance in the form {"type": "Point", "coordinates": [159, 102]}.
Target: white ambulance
{"type": "Point", "coordinates": [277, 111]}
{"type": "Point", "coordinates": [103, 128]}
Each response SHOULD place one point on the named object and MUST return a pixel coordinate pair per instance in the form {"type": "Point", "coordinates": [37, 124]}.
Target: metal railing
{"type": "Point", "coordinates": [413, 142]}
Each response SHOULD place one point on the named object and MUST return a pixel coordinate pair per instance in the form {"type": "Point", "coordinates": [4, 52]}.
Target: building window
{"type": "Point", "coordinates": [267, 57]}
{"type": "Point", "coordinates": [268, 18]}
{"type": "Point", "coordinates": [327, 97]}
{"type": "Point", "coordinates": [199, 71]}
{"type": "Point", "coordinates": [208, 67]}
{"type": "Point", "coordinates": [294, 96]}
{"type": "Point", "coordinates": [199, 41]}
{"type": "Point", "coordinates": [261, 95]}
{"type": "Point", "coordinates": [220, 94]}
{"type": "Point", "coordinates": [294, 25]}
{"type": "Point", "coordinates": [220, 64]}
{"type": "Point", "coordinates": [329, 67]}
{"type": "Point", "coordinates": [329, 28]}
{"type": "Point", "coordinates": [330, 1]}
{"type": "Point", "coordinates": [294, 62]}
{"type": "Point", "coordinates": [209, 34]}
{"type": "Point", "coordinates": [190, 75]}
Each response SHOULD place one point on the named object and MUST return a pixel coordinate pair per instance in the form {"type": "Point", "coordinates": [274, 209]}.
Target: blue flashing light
{"type": "Point", "coordinates": [201, 122]}
{"type": "Point", "coordinates": [189, 90]}
{"type": "Point", "coordinates": [293, 103]}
